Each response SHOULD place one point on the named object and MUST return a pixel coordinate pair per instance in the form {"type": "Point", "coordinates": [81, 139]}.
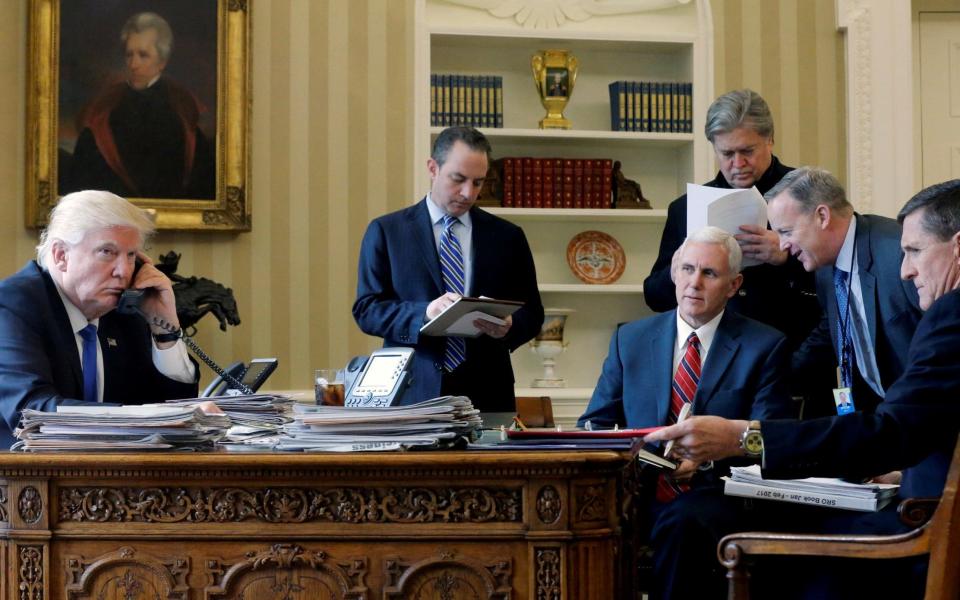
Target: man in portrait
{"type": "Point", "coordinates": [140, 137]}
{"type": "Point", "coordinates": [558, 87]}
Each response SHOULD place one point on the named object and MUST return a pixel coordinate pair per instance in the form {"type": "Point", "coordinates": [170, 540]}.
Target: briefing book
{"type": "Point", "coordinates": [457, 319]}
{"type": "Point", "coordinates": [815, 491]}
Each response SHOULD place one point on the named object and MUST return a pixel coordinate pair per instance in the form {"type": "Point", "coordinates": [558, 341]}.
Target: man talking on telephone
{"type": "Point", "coordinates": [61, 342]}
{"type": "Point", "coordinates": [417, 261]}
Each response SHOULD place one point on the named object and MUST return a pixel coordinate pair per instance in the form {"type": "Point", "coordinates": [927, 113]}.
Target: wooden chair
{"type": "Point", "coordinates": [535, 411]}
{"type": "Point", "coordinates": [937, 536]}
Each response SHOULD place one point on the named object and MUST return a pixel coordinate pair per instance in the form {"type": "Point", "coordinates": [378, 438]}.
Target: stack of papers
{"type": "Point", "coordinates": [818, 491]}
{"type": "Point", "coordinates": [436, 423]}
{"type": "Point", "coordinates": [255, 419]}
{"type": "Point", "coordinates": [145, 427]}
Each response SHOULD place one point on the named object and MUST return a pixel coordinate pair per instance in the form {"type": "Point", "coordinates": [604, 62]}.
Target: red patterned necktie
{"type": "Point", "coordinates": [685, 382]}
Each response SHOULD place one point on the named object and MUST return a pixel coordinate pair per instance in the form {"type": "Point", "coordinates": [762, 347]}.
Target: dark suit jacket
{"type": "Point", "coordinates": [39, 363]}
{"type": "Point", "coordinates": [914, 428]}
{"type": "Point", "coordinates": [399, 275]}
{"type": "Point", "coordinates": [891, 307]}
{"type": "Point", "coordinates": [743, 376]}
{"type": "Point", "coordinates": [780, 296]}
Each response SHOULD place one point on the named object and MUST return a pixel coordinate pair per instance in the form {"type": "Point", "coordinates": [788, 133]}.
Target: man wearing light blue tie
{"type": "Point", "coordinates": [870, 314]}
{"type": "Point", "coordinates": [417, 261]}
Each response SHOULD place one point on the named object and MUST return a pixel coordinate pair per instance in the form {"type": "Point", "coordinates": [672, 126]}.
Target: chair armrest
{"type": "Point", "coordinates": [915, 512]}
{"type": "Point", "coordinates": [734, 547]}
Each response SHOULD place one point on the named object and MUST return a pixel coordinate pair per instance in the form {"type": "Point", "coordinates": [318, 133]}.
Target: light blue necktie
{"type": "Point", "coordinates": [844, 323]}
{"type": "Point", "coordinates": [451, 268]}
{"type": "Point", "coordinates": [89, 335]}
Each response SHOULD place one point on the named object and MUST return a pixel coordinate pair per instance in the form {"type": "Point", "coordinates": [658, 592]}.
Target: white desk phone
{"type": "Point", "coordinates": [378, 380]}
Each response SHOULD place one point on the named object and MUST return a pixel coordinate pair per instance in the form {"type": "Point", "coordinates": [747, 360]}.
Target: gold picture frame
{"type": "Point", "coordinates": [228, 87]}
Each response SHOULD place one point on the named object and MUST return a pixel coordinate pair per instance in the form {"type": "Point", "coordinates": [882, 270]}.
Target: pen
{"type": "Point", "coordinates": [685, 411]}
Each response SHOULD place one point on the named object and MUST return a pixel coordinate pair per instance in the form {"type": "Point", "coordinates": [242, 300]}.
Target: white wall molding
{"type": "Point", "coordinates": [880, 124]}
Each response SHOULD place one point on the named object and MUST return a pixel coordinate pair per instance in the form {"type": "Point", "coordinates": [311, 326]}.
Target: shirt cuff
{"type": "Point", "coordinates": [173, 362]}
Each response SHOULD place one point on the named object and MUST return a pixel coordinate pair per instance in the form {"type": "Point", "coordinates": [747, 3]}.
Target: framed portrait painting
{"type": "Point", "coordinates": [148, 99]}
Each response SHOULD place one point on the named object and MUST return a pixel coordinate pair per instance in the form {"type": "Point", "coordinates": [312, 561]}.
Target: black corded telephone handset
{"type": "Point", "coordinates": [129, 304]}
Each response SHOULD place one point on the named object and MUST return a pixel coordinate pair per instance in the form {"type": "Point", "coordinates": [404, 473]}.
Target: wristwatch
{"type": "Point", "coordinates": [751, 440]}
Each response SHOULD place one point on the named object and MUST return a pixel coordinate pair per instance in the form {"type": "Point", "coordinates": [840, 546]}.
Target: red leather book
{"type": "Point", "coordinates": [527, 186]}
{"type": "Point", "coordinates": [509, 181]}
{"type": "Point", "coordinates": [587, 182]}
{"type": "Point", "coordinates": [606, 183]}
{"type": "Point", "coordinates": [548, 181]}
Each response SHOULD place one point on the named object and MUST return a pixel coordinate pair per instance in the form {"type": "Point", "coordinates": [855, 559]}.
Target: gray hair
{"type": "Point", "coordinates": [941, 205]}
{"type": "Point", "coordinates": [474, 140]}
{"type": "Point", "coordinates": [715, 235]}
{"type": "Point", "coordinates": [739, 108]}
{"type": "Point", "coordinates": [811, 186]}
{"type": "Point", "coordinates": [140, 22]}
{"type": "Point", "coordinates": [82, 212]}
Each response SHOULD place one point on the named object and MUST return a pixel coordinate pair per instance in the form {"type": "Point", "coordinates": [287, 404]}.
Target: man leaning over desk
{"type": "Point", "coordinates": [417, 261]}
{"type": "Point", "coordinates": [914, 428]}
{"type": "Point", "coordinates": [61, 342]}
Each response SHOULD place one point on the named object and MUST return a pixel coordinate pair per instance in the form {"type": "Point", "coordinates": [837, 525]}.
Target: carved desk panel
{"type": "Point", "coordinates": [444, 525]}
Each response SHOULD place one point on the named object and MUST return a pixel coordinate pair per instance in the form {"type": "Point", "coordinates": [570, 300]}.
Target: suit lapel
{"type": "Point", "coordinates": [868, 282]}
{"type": "Point", "coordinates": [66, 339]}
{"type": "Point", "coordinates": [662, 343]}
{"type": "Point", "coordinates": [825, 281]}
{"type": "Point", "coordinates": [723, 352]}
{"type": "Point", "coordinates": [484, 263]}
{"type": "Point", "coordinates": [422, 230]}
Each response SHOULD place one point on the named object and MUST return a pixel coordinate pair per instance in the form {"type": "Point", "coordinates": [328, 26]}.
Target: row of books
{"type": "Point", "coordinates": [665, 107]}
{"type": "Point", "coordinates": [472, 100]}
{"type": "Point", "coordinates": [557, 182]}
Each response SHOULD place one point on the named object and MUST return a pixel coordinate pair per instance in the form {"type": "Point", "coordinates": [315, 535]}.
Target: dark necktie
{"type": "Point", "coordinates": [685, 382]}
{"type": "Point", "coordinates": [451, 267]}
{"type": "Point", "coordinates": [89, 335]}
{"type": "Point", "coordinates": [845, 354]}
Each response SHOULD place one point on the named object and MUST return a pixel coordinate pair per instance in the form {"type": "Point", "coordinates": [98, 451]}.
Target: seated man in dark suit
{"type": "Point", "coordinates": [417, 261]}
{"type": "Point", "coordinates": [722, 363]}
{"type": "Point", "coordinates": [914, 428]}
{"type": "Point", "coordinates": [61, 342]}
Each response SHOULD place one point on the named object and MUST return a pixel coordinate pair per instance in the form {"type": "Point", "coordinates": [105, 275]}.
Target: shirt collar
{"type": "Point", "coordinates": [77, 320]}
{"type": "Point", "coordinates": [437, 214]}
{"type": "Point", "coordinates": [845, 257]}
{"type": "Point", "coordinates": [705, 333]}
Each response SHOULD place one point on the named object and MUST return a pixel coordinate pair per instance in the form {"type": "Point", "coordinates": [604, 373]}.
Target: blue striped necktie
{"type": "Point", "coordinates": [451, 267]}
{"type": "Point", "coordinates": [89, 335]}
{"type": "Point", "coordinates": [846, 357]}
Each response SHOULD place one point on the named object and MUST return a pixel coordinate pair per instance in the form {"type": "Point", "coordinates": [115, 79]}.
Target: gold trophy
{"type": "Point", "coordinates": [554, 73]}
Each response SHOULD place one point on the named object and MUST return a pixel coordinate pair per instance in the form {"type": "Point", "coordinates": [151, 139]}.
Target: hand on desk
{"type": "Point", "coordinates": [702, 438]}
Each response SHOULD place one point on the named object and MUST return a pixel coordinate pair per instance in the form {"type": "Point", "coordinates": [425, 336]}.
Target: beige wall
{"type": "Point", "coordinates": [790, 52]}
{"type": "Point", "coordinates": [331, 139]}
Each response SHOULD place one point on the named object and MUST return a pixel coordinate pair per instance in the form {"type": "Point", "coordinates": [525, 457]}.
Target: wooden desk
{"type": "Point", "coordinates": [445, 525]}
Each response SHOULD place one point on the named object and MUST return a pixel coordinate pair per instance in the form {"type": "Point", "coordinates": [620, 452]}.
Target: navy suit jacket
{"type": "Point", "coordinates": [915, 427]}
{"type": "Point", "coordinates": [891, 307]}
{"type": "Point", "coordinates": [399, 275]}
{"type": "Point", "coordinates": [39, 364]}
{"type": "Point", "coordinates": [743, 377]}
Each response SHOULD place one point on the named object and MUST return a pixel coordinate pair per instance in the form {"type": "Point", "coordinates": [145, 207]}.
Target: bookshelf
{"type": "Point", "coordinates": [641, 42]}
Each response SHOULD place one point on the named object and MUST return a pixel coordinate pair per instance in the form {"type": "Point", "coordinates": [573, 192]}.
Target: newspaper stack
{"type": "Point", "coordinates": [146, 427]}
{"type": "Point", "coordinates": [255, 419]}
{"type": "Point", "coordinates": [817, 491]}
{"type": "Point", "coordinates": [438, 423]}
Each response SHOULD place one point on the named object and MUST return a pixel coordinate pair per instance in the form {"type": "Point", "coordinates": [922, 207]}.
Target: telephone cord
{"type": "Point", "coordinates": [233, 381]}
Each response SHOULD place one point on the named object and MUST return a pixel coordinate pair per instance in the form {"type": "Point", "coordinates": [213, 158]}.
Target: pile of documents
{"type": "Point", "coordinates": [438, 423]}
{"type": "Point", "coordinates": [816, 491]}
{"type": "Point", "coordinates": [146, 427]}
{"type": "Point", "coordinates": [255, 419]}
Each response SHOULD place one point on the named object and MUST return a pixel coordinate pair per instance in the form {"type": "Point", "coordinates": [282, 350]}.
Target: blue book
{"type": "Point", "coordinates": [499, 102]}
{"type": "Point", "coordinates": [433, 99]}
{"type": "Point", "coordinates": [616, 105]}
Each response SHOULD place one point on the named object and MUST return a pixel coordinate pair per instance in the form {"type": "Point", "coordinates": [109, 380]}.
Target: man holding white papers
{"type": "Point", "coordinates": [775, 291]}
{"type": "Point", "coordinates": [914, 428]}
{"type": "Point", "coordinates": [416, 262]}
{"type": "Point", "coordinates": [870, 314]}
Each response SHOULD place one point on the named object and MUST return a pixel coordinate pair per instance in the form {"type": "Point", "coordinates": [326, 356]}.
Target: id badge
{"type": "Point", "coordinates": [843, 398]}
